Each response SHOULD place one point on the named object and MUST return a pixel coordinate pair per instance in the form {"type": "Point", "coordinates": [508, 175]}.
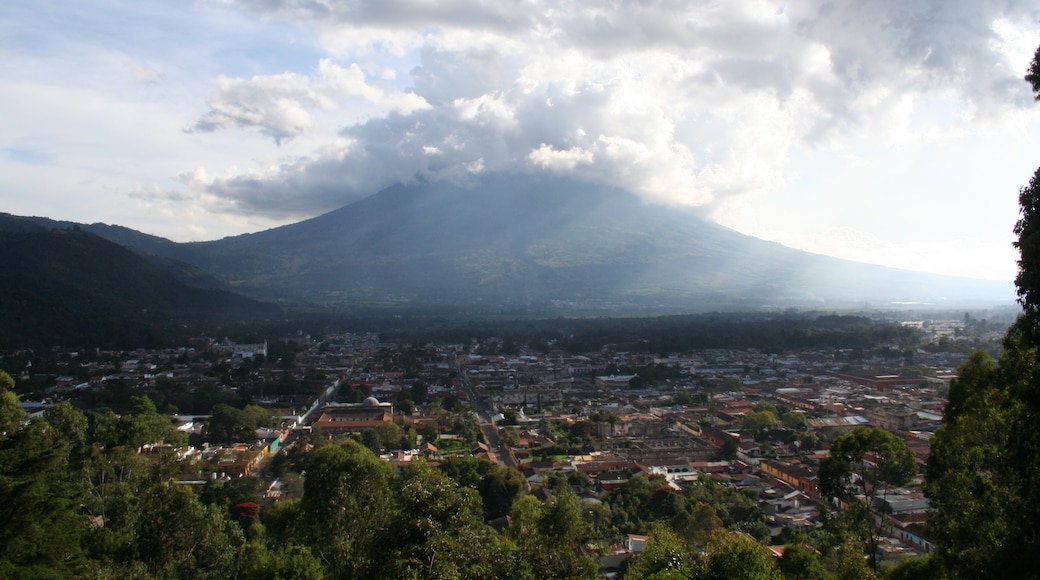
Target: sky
{"type": "Point", "coordinates": [894, 133]}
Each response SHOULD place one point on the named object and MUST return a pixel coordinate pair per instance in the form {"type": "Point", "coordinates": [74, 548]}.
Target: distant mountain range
{"type": "Point", "coordinates": [536, 244]}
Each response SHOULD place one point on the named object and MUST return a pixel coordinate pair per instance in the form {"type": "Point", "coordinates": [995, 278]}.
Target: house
{"type": "Point", "coordinates": [346, 418]}
{"type": "Point", "coordinates": [635, 543]}
{"type": "Point", "coordinates": [794, 475]}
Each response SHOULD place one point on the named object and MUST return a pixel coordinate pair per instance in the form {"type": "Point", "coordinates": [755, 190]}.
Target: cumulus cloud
{"type": "Point", "coordinates": [682, 102]}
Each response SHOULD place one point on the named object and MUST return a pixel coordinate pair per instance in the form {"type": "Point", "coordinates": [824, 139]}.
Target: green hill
{"type": "Point", "coordinates": [73, 287]}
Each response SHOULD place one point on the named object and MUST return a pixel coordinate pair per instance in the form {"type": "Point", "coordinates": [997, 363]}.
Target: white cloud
{"type": "Point", "coordinates": [683, 102]}
{"type": "Point", "coordinates": [281, 105]}
{"type": "Point", "coordinates": [144, 74]}
{"type": "Point", "coordinates": [566, 160]}
{"type": "Point", "coordinates": [956, 255]}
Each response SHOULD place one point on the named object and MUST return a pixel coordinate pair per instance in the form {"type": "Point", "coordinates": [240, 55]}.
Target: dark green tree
{"type": "Point", "coordinates": [551, 539]}
{"type": "Point", "coordinates": [384, 437]}
{"type": "Point", "coordinates": [1028, 244]}
{"type": "Point", "coordinates": [1033, 74]}
{"type": "Point", "coordinates": [143, 425]}
{"type": "Point", "coordinates": [228, 424]}
{"type": "Point", "coordinates": [178, 536]}
{"type": "Point", "coordinates": [736, 555]}
{"type": "Point", "coordinates": [11, 413]}
{"type": "Point", "coordinates": [347, 509]}
{"type": "Point", "coordinates": [438, 531]}
{"type": "Point", "coordinates": [695, 523]}
{"type": "Point", "coordinates": [41, 528]}
{"type": "Point", "coordinates": [981, 515]}
{"type": "Point", "coordinates": [801, 562]}
{"type": "Point", "coordinates": [755, 421]}
{"type": "Point", "coordinates": [498, 486]}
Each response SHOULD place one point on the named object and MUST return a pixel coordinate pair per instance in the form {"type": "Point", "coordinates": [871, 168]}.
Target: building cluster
{"type": "Point", "coordinates": [608, 415]}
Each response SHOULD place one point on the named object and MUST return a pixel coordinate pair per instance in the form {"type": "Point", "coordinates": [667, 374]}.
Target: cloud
{"type": "Point", "coordinates": [281, 106]}
{"type": "Point", "coordinates": [692, 103]}
{"type": "Point", "coordinates": [969, 253]}
{"type": "Point", "coordinates": [144, 74]}
{"type": "Point", "coordinates": [548, 158]}
{"type": "Point", "coordinates": [152, 193]}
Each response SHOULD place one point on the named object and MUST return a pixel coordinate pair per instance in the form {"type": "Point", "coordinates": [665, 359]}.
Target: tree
{"type": "Point", "coordinates": [439, 530]}
{"type": "Point", "coordinates": [291, 562]}
{"type": "Point", "coordinates": [984, 469]}
{"type": "Point", "coordinates": [761, 406]}
{"type": "Point", "coordinates": [973, 484]}
{"type": "Point", "coordinates": [11, 413]}
{"type": "Point", "coordinates": [729, 450]}
{"type": "Point", "coordinates": [383, 437]}
{"type": "Point", "coordinates": [664, 551]}
{"type": "Point", "coordinates": [41, 529]}
{"type": "Point", "coordinates": [347, 508]}
{"type": "Point", "coordinates": [794, 420]}
{"type": "Point", "coordinates": [177, 536]}
{"type": "Point", "coordinates": [916, 568]}
{"type": "Point", "coordinates": [551, 538]}
{"type": "Point", "coordinates": [629, 504]}
{"type": "Point", "coordinates": [801, 562]}
{"type": "Point", "coordinates": [736, 555]}
{"type": "Point", "coordinates": [696, 523]}
{"type": "Point", "coordinates": [418, 391]}
{"type": "Point", "coordinates": [1028, 244]}
{"type": "Point", "coordinates": [759, 420]}
{"type": "Point", "coordinates": [143, 425]}
{"type": "Point", "coordinates": [230, 425]}
{"type": "Point", "coordinates": [1033, 74]}
{"type": "Point", "coordinates": [499, 488]}
{"type": "Point", "coordinates": [861, 463]}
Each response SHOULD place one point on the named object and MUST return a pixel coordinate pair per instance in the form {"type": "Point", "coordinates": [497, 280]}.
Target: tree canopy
{"type": "Point", "coordinates": [862, 463]}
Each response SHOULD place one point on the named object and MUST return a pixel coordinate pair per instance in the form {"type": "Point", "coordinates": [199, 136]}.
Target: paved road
{"type": "Point", "coordinates": [484, 420]}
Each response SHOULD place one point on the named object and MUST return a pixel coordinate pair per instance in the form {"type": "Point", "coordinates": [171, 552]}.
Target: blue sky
{"type": "Point", "coordinates": [890, 133]}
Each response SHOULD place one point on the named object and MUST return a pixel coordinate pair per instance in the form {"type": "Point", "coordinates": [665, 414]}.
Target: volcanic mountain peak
{"type": "Point", "coordinates": [540, 243]}
{"type": "Point", "coordinates": [543, 242]}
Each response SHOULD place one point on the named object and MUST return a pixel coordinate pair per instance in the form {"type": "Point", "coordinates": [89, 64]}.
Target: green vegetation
{"type": "Point", "coordinates": [863, 463]}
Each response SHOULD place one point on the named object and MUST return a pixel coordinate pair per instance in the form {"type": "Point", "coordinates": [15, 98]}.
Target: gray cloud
{"type": "Point", "coordinates": [153, 193]}
{"type": "Point", "coordinates": [507, 17]}
{"type": "Point", "coordinates": [923, 45]}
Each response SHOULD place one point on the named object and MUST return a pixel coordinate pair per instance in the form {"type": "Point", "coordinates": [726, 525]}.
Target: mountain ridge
{"type": "Point", "coordinates": [69, 286]}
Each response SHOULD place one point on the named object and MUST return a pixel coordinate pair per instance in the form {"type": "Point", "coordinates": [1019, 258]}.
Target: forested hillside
{"type": "Point", "coordinates": [73, 287]}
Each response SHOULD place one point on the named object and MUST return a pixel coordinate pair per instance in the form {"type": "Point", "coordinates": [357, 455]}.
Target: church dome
{"type": "Point", "coordinates": [370, 402]}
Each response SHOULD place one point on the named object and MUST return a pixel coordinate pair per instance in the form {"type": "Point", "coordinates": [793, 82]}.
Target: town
{"type": "Point", "coordinates": [756, 423]}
